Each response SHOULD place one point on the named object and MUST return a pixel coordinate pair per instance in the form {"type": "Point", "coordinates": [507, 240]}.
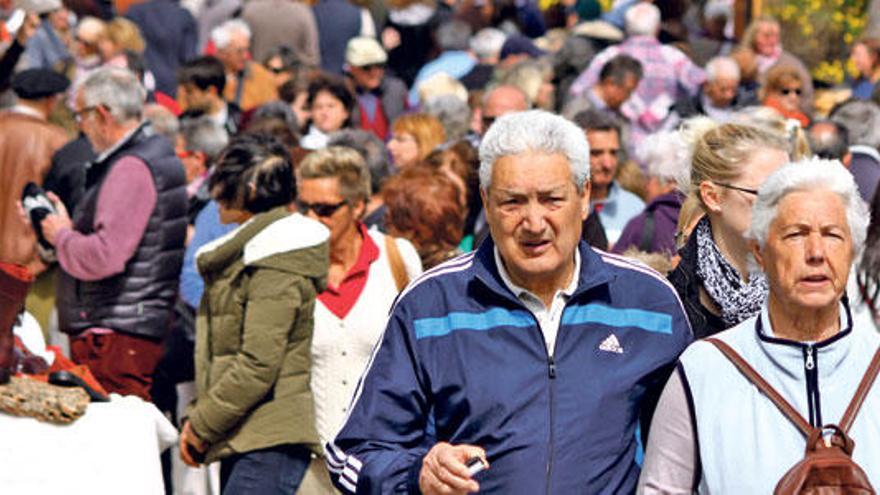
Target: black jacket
{"type": "Point", "coordinates": [686, 282]}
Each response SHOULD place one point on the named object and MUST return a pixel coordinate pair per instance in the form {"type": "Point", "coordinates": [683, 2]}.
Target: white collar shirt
{"type": "Point", "coordinates": [549, 319]}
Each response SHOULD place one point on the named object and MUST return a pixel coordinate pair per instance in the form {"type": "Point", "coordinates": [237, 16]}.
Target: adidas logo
{"type": "Point", "coordinates": [611, 344]}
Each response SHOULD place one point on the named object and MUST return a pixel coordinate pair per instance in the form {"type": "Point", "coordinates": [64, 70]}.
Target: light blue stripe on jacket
{"type": "Point", "coordinates": [493, 318]}
{"type": "Point", "coordinates": [650, 321]}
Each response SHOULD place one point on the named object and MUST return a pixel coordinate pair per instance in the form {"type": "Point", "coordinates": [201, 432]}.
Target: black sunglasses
{"type": "Point", "coordinates": [323, 210]}
{"type": "Point", "coordinates": [788, 91]}
{"type": "Point", "coordinates": [753, 192]}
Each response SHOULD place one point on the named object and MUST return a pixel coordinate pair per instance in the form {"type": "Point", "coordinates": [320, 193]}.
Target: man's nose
{"type": "Point", "coordinates": [534, 219]}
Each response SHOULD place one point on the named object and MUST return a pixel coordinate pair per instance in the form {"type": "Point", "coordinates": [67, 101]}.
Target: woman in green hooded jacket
{"type": "Point", "coordinates": [253, 410]}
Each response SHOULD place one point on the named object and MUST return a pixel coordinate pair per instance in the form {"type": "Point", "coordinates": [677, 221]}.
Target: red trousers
{"type": "Point", "coordinates": [122, 363]}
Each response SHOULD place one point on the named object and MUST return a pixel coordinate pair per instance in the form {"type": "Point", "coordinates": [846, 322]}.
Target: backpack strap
{"type": "Point", "coordinates": [852, 410]}
{"type": "Point", "coordinates": [647, 241]}
{"type": "Point", "coordinates": [746, 369]}
{"type": "Point", "coordinates": [398, 270]}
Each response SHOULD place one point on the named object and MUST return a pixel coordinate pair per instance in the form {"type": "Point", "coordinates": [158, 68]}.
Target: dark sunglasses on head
{"type": "Point", "coordinates": [788, 91]}
{"type": "Point", "coordinates": [321, 209]}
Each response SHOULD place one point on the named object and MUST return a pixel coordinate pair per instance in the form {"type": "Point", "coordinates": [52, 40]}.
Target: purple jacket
{"type": "Point", "coordinates": [664, 209]}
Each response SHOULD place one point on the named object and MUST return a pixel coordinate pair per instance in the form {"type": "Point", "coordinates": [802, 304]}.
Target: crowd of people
{"type": "Point", "coordinates": [369, 246]}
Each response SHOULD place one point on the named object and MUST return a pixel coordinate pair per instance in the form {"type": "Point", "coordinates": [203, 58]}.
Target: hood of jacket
{"type": "Point", "coordinates": [274, 239]}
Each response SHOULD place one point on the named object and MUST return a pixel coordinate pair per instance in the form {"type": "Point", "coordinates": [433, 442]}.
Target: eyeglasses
{"type": "Point", "coordinates": [323, 210]}
{"type": "Point", "coordinates": [80, 115]}
{"type": "Point", "coordinates": [788, 91]}
{"type": "Point", "coordinates": [753, 192]}
{"type": "Point", "coordinates": [373, 66]}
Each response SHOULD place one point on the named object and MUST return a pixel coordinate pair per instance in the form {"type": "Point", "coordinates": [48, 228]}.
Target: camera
{"type": "Point", "coordinates": [38, 206]}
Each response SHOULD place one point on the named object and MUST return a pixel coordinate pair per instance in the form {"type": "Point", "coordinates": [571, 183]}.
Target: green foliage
{"type": "Point", "coordinates": [820, 32]}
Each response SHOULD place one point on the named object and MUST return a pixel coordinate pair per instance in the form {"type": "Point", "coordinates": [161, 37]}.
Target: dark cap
{"type": "Point", "coordinates": [33, 84]}
{"type": "Point", "coordinates": [517, 44]}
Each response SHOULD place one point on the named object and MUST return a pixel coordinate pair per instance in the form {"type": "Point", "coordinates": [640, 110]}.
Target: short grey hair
{"type": "Point", "coordinates": [642, 19]}
{"type": "Point", "coordinates": [222, 35]}
{"type": "Point", "coordinates": [535, 131]}
{"type": "Point", "coordinates": [203, 134]}
{"type": "Point", "coordinates": [116, 89]}
{"type": "Point", "coordinates": [810, 174]}
{"type": "Point", "coordinates": [162, 120]}
{"type": "Point", "coordinates": [487, 43]}
{"type": "Point", "coordinates": [453, 113]}
{"type": "Point", "coordinates": [861, 119]}
{"type": "Point", "coordinates": [371, 148]}
{"type": "Point", "coordinates": [722, 67]}
{"type": "Point", "coordinates": [667, 155]}
{"type": "Point", "coordinates": [453, 35]}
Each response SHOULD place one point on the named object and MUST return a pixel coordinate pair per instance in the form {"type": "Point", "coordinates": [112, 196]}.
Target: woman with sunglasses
{"type": "Point", "coordinates": [782, 92]}
{"type": "Point", "coordinates": [367, 270]}
{"type": "Point", "coordinates": [728, 165]}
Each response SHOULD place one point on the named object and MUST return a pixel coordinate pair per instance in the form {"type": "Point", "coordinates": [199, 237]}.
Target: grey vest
{"type": "Point", "coordinates": [139, 300]}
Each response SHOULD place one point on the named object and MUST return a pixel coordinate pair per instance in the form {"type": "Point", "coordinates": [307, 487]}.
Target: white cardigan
{"type": "Point", "coordinates": [342, 347]}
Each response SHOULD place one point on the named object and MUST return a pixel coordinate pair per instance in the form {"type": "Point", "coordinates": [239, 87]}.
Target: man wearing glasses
{"type": "Point", "coordinates": [367, 270]}
{"type": "Point", "coordinates": [381, 98]}
{"type": "Point", "coordinates": [121, 251]}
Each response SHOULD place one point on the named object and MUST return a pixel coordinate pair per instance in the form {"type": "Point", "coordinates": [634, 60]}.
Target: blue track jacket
{"type": "Point", "coordinates": [463, 361]}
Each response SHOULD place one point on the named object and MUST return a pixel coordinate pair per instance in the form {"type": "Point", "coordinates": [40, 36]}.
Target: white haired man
{"type": "Point", "coordinates": [248, 84]}
{"type": "Point", "coordinates": [720, 96]}
{"type": "Point", "coordinates": [808, 226]}
{"type": "Point", "coordinates": [121, 252]}
{"type": "Point", "coordinates": [668, 73]}
{"type": "Point", "coordinates": [517, 353]}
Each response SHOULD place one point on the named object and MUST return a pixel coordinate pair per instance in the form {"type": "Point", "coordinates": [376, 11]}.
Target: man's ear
{"type": "Point", "coordinates": [203, 159]}
{"type": "Point", "coordinates": [585, 199]}
{"type": "Point", "coordinates": [709, 193]}
{"type": "Point", "coordinates": [847, 159]}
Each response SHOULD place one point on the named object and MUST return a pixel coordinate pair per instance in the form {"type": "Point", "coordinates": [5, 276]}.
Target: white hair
{"type": "Point", "coordinates": [810, 174]}
{"type": "Point", "coordinates": [642, 19]}
{"type": "Point", "coordinates": [487, 42]}
{"type": "Point", "coordinates": [117, 89]}
{"type": "Point", "coordinates": [222, 35]}
{"type": "Point", "coordinates": [667, 155]}
{"type": "Point", "coordinates": [722, 66]}
{"type": "Point", "coordinates": [535, 131]}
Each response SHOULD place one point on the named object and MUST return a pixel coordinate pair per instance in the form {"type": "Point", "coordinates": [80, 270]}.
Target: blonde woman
{"type": "Point", "coordinates": [728, 165]}
{"type": "Point", "coordinates": [413, 137]}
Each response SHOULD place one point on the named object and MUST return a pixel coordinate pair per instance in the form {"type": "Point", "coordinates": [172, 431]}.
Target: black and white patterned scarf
{"type": "Point", "coordinates": [738, 300]}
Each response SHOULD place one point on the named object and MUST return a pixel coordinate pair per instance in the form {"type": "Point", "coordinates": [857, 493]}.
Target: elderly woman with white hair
{"type": "Point", "coordinates": [808, 227]}
{"type": "Point", "coordinates": [653, 230]}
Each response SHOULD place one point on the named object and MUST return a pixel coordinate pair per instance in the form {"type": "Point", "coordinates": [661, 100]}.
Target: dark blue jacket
{"type": "Point", "coordinates": [463, 361]}
{"type": "Point", "coordinates": [171, 35]}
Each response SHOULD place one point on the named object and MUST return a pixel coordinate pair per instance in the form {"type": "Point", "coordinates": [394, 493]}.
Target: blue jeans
{"type": "Point", "coordinates": [276, 470]}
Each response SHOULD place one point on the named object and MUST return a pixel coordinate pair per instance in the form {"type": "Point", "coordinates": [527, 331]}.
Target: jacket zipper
{"type": "Point", "coordinates": [812, 378]}
{"type": "Point", "coordinates": [551, 369]}
{"type": "Point", "coordinates": [551, 375]}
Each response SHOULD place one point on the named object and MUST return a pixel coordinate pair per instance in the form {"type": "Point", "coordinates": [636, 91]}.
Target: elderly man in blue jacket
{"type": "Point", "coordinates": [535, 354]}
